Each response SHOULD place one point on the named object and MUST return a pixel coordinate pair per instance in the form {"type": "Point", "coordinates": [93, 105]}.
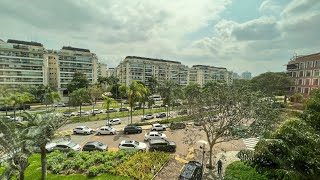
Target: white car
{"type": "Point", "coordinates": [69, 114]}
{"type": "Point", "coordinates": [158, 127]}
{"type": "Point", "coordinates": [83, 113]}
{"type": "Point", "coordinates": [132, 145]}
{"type": "Point", "coordinates": [60, 105]}
{"type": "Point", "coordinates": [106, 130]}
{"type": "Point", "coordinates": [63, 146]}
{"type": "Point", "coordinates": [154, 135]}
{"type": "Point", "coordinates": [82, 130]}
{"type": "Point", "coordinates": [147, 117]}
{"type": "Point", "coordinates": [114, 122]}
{"type": "Point", "coordinates": [96, 111]}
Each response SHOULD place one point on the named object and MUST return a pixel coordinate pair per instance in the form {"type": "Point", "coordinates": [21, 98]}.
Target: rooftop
{"type": "Point", "coordinates": [151, 59]}
{"type": "Point", "coordinates": [30, 43]}
{"type": "Point", "coordinates": [207, 66]}
{"type": "Point", "coordinates": [75, 49]}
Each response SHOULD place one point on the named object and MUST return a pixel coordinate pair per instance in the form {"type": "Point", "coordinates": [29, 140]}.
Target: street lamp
{"type": "Point", "coordinates": [203, 147]}
{"type": "Point", "coordinates": [167, 111]}
{"type": "Point", "coordinates": [128, 115]}
{"type": "Point", "coordinates": [20, 103]}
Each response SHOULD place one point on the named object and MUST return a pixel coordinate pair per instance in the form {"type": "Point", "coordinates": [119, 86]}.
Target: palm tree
{"type": "Point", "coordinates": [135, 92]}
{"type": "Point", "coordinates": [41, 128]}
{"type": "Point", "coordinates": [50, 98]}
{"type": "Point", "coordinates": [6, 101]}
{"type": "Point", "coordinates": [108, 101]}
{"type": "Point", "coordinates": [94, 93]}
{"type": "Point", "coordinates": [145, 97]}
{"type": "Point", "coordinates": [150, 102]}
{"type": "Point", "coordinates": [25, 98]}
{"type": "Point", "coordinates": [80, 96]}
{"type": "Point", "coordinates": [169, 90]}
{"type": "Point", "coordinates": [14, 145]}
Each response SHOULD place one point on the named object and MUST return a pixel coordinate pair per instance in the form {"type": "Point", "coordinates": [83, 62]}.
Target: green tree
{"type": "Point", "coordinates": [239, 170]}
{"type": "Point", "coordinates": [50, 98]}
{"type": "Point", "coordinates": [41, 128]}
{"type": "Point", "coordinates": [169, 91]}
{"type": "Point", "coordinates": [144, 99]}
{"type": "Point", "coordinates": [80, 96]}
{"type": "Point", "coordinates": [152, 84]}
{"type": "Point", "coordinates": [95, 93]}
{"type": "Point", "coordinates": [123, 93]}
{"type": "Point", "coordinates": [232, 108]}
{"type": "Point", "coordinates": [192, 93]}
{"type": "Point", "coordinates": [311, 113]}
{"type": "Point", "coordinates": [272, 84]}
{"type": "Point", "coordinates": [14, 144]}
{"type": "Point", "coordinates": [297, 97]}
{"type": "Point", "coordinates": [135, 93]}
{"type": "Point", "coordinates": [6, 101]}
{"type": "Point", "coordinates": [78, 81]}
{"type": "Point", "coordinates": [108, 101]}
{"type": "Point", "coordinates": [24, 98]}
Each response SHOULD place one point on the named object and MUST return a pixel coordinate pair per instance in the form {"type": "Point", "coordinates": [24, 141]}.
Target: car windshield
{"type": "Point", "coordinates": [100, 144]}
{"type": "Point", "coordinates": [72, 144]}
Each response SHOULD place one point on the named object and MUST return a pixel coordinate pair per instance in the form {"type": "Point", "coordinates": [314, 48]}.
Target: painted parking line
{"type": "Point", "coordinates": [190, 155]}
{"type": "Point", "coordinates": [180, 159]}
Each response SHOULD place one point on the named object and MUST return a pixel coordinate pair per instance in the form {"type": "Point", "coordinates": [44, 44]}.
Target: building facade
{"type": "Point", "coordinates": [102, 70]}
{"type": "Point", "coordinates": [201, 74]}
{"type": "Point", "coordinates": [246, 75]}
{"type": "Point", "coordinates": [22, 63]}
{"type": "Point", "coordinates": [29, 63]}
{"type": "Point", "coordinates": [141, 69]}
{"type": "Point", "coordinates": [305, 71]}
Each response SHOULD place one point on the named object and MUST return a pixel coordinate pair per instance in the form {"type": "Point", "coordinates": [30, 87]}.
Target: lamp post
{"type": "Point", "coordinates": [167, 111]}
{"type": "Point", "coordinates": [128, 115]}
{"type": "Point", "coordinates": [20, 103]}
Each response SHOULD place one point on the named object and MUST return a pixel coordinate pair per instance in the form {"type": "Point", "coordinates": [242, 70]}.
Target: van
{"type": "Point", "coordinates": [191, 171]}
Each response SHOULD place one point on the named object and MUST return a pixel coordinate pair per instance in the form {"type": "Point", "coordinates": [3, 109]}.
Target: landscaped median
{"type": "Point", "coordinates": [169, 121]}
{"type": "Point", "coordinates": [121, 165]}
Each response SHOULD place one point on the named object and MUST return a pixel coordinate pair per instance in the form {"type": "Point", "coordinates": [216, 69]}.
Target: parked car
{"type": "Point", "coordinates": [114, 122]}
{"type": "Point", "coordinates": [95, 146]}
{"type": "Point", "coordinates": [154, 135]}
{"type": "Point", "coordinates": [3, 108]}
{"type": "Point", "coordinates": [147, 117]}
{"type": "Point", "coordinates": [96, 111]}
{"type": "Point", "coordinates": [82, 130]}
{"type": "Point", "coordinates": [69, 114]}
{"type": "Point", "coordinates": [111, 110]}
{"type": "Point", "coordinates": [132, 129]}
{"type": "Point", "coordinates": [83, 113]}
{"type": "Point", "coordinates": [106, 130]}
{"type": "Point", "coordinates": [158, 127]}
{"type": "Point", "coordinates": [161, 115]}
{"type": "Point", "coordinates": [177, 125]}
{"type": "Point", "coordinates": [123, 109]}
{"type": "Point", "coordinates": [162, 145]}
{"type": "Point", "coordinates": [23, 107]}
{"type": "Point", "coordinates": [126, 102]}
{"type": "Point", "coordinates": [191, 171]}
{"type": "Point", "coordinates": [60, 105]}
{"type": "Point", "coordinates": [156, 106]}
{"type": "Point", "coordinates": [137, 108]}
{"type": "Point", "coordinates": [63, 146]}
{"type": "Point", "coordinates": [132, 145]}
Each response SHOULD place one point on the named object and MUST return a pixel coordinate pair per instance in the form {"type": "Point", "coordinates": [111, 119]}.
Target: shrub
{"type": "Point", "coordinates": [93, 171]}
{"type": "Point", "coordinates": [245, 155]}
{"type": "Point", "coordinates": [239, 170]}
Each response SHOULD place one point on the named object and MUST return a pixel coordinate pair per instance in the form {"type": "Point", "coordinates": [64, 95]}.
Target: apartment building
{"type": "Point", "coordinates": [246, 75]}
{"type": "Point", "coordinates": [201, 74]}
{"type": "Point", "coordinates": [142, 68]}
{"type": "Point", "coordinates": [306, 73]}
{"type": "Point", "coordinates": [102, 70]}
{"type": "Point", "coordinates": [29, 63]}
{"type": "Point", "coordinates": [22, 63]}
{"type": "Point", "coordinates": [111, 72]}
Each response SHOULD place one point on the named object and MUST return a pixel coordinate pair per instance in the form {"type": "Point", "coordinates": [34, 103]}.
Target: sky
{"type": "Point", "coordinates": [241, 35]}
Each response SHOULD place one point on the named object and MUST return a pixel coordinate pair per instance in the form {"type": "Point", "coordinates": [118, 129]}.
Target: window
{"type": "Point", "coordinates": [301, 66]}
{"type": "Point", "coordinates": [317, 63]}
{"type": "Point", "coordinates": [294, 74]}
{"type": "Point", "coordinates": [301, 74]}
{"type": "Point", "coordinates": [306, 90]}
{"type": "Point", "coordinates": [308, 73]}
{"type": "Point", "coordinates": [315, 81]}
{"type": "Point", "coordinates": [299, 89]}
{"type": "Point", "coordinates": [316, 72]}
{"type": "Point", "coordinates": [309, 64]}
{"type": "Point", "coordinates": [307, 81]}
{"type": "Point", "coordinates": [300, 82]}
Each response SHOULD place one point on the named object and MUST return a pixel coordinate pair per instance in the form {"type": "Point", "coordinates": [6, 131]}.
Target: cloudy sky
{"type": "Point", "coordinates": [253, 35]}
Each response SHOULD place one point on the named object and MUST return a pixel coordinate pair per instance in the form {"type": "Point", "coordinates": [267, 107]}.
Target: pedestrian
{"type": "Point", "coordinates": [219, 166]}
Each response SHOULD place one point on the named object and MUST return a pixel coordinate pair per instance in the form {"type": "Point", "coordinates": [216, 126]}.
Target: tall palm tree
{"type": "Point", "coordinates": [144, 98]}
{"type": "Point", "coordinates": [41, 128]}
{"type": "Point", "coordinates": [25, 98]}
{"type": "Point", "coordinates": [108, 101]}
{"type": "Point", "coordinates": [80, 96]}
{"type": "Point", "coordinates": [169, 90]}
{"type": "Point", "coordinates": [135, 92]}
{"type": "Point", "coordinates": [50, 98]}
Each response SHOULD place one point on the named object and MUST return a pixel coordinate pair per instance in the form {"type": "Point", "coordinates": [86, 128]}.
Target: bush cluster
{"type": "Point", "coordinates": [124, 163]}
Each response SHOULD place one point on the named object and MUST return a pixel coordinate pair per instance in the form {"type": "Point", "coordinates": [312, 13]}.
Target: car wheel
{"type": "Point", "coordinates": [126, 132]}
{"type": "Point", "coordinates": [112, 133]}
{"type": "Point", "coordinates": [99, 133]}
{"type": "Point", "coordinates": [139, 132]}
{"type": "Point", "coordinates": [164, 129]}
{"type": "Point", "coordinates": [74, 132]}
{"type": "Point", "coordinates": [172, 150]}
{"type": "Point", "coordinates": [86, 133]}
{"type": "Point", "coordinates": [140, 150]}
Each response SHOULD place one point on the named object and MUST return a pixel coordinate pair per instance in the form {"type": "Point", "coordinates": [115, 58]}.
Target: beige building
{"type": "Point", "coordinates": [29, 63]}
{"type": "Point", "coordinates": [102, 70]}
{"type": "Point", "coordinates": [201, 74]}
{"type": "Point", "coordinates": [141, 69]}
{"type": "Point", "coordinates": [306, 73]}
{"type": "Point", "coordinates": [22, 63]}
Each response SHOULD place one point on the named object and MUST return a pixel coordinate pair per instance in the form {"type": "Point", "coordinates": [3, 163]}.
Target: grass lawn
{"type": "Point", "coordinates": [33, 172]}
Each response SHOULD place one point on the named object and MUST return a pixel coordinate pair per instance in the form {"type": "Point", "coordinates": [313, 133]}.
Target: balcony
{"type": "Point", "coordinates": [292, 67]}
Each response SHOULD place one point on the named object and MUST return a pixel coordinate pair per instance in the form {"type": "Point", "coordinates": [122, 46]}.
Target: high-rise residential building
{"type": "Point", "coordinates": [142, 68]}
{"type": "Point", "coordinates": [246, 75]}
{"type": "Point", "coordinates": [201, 74]}
{"type": "Point", "coordinates": [29, 63]}
{"type": "Point", "coordinates": [236, 75]}
{"type": "Point", "coordinates": [111, 72]}
{"type": "Point", "coordinates": [22, 63]}
{"type": "Point", "coordinates": [102, 70]}
{"type": "Point", "coordinates": [305, 71]}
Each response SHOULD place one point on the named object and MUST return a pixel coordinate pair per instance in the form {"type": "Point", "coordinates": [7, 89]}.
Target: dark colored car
{"type": "Point", "coordinates": [95, 146]}
{"type": "Point", "coordinates": [23, 107]}
{"type": "Point", "coordinates": [162, 145]}
{"type": "Point", "coordinates": [177, 125]}
{"type": "Point", "coordinates": [132, 129]}
{"type": "Point", "coordinates": [191, 171]}
{"type": "Point", "coordinates": [177, 104]}
{"type": "Point", "coordinates": [137, 108]}
{"type": "Point", "coordinates": [123, 109]}
{"type": "Point", "coordinates": [161, 115]}
{"type": "Point", "coordinates": [111, 110]}
{"type": "Point", "coordinates": [9, 108]}
{"type": "Point", "coordinates": [156, 106]}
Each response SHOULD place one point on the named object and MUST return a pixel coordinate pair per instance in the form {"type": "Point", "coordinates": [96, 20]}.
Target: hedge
{"type": "Point", "coordinates": [240, 171]}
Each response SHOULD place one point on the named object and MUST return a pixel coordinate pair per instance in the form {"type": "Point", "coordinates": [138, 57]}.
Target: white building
{"type": "Point", "coordinates": [102, 70]}
{"type": "Point", "coordinates": [141, 69]}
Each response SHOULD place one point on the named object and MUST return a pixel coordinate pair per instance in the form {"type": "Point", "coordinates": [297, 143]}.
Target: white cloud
{"type": "Point", "coordinates": [270, 7]}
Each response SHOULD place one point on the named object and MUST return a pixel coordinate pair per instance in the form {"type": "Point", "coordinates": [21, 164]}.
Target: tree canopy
{"type": "Point", "coordinates": [78, 81]}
